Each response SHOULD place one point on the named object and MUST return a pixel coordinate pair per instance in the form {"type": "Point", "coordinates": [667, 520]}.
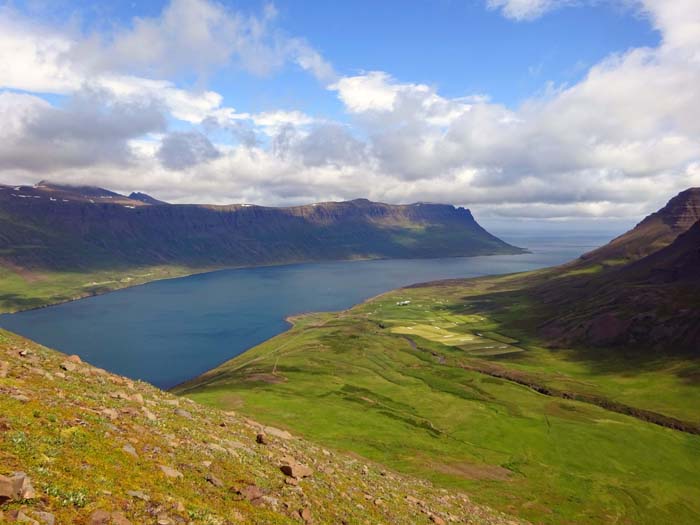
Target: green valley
{"type": "Point", "coordinates": [356, 380]}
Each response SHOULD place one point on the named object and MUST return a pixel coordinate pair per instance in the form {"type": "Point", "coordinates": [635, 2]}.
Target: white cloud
{"type": "Point", "coordinates": [197, 36]}
{"type": "Point", "coordinates": [527, 9]}
{"type": "Point", "coordinates": [616, 144]}
{"type": "Point", "coordinates": [629, 130]}
{"type": "Point", "coordinates": [93, 129]}
{"type": "Point", "coordinates": [189, 35]}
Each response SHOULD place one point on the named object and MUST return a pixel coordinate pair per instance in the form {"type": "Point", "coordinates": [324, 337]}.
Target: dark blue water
{"type": "Point", "coordinates": [169, 331]}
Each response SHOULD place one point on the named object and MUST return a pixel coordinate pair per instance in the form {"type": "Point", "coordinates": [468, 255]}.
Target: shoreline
{"type": "Point", "coordinates": [290, 319]}
{"type": "Point", "coordinates": [205, 271]}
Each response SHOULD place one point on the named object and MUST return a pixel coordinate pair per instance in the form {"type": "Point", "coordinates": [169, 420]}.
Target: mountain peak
{"type": "Point", "coordinates": [683, 210]}
{"type": "Point", "coordinates": [144, 197]}
{"type": "Point", "coordinates": [655, 232]}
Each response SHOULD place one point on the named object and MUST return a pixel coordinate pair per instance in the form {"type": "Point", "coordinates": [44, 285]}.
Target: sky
{"type": "Point", "coordinates": [526, 111]}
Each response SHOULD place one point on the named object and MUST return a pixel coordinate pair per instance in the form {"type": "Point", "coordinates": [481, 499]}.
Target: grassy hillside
{"type": "Point", "coordinates": [450, 387]}
{"type": "Point", "coordinates": [97, 447]}
{"type": "Point", "coordinates": [23, 289]}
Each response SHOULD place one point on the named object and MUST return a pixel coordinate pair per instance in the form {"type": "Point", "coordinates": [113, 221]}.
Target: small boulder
{"type": "Point", "coordinates": [164, 519]}
{"type": "Point", "coordinates": [138, 494]}
{"type": "Point", "coordinates": [75, 359]}
{"type": "Point", "coordinates": [69, 366]}
{"type": "Point", "coordinates": [119, 519]}
{"type": "Point", "coordinates": [149, 415]}
{"type": "Point", "coordinates": [282, 434]}
{"type": "Point", "coordinates": [211, 478]}
{"type": "Point", "coordinates": [23, 518]}
{"type": "Point", "coordinates": [110, 413]}
{"type": "Point", "coordinates": [296, 470]}
{"type": "Point", "coordinates": [102, 517]}
{"type": "Point", "coordinates": [16, 487]}
{"type": "Point", "coordinates": [137, 398]}
{"type": "Point", "coordinates": [4, 369]}
{"type": "Point", "coordinates": [45, 518]}
{"type": "Point", "coordinates": [305, 514]}
{"type": "Point", "coordinates": [170, 472]}
{"type": "Point", "coordinates": [251, 492]}
{"type": "Point", "coordinates": [129, 449]}
{"type": "Point", "coordinates": [183, 413]}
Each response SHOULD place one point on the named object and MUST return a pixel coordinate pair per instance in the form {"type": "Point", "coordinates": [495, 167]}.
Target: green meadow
{"type": "Point", "coordinates": [24, 290]}
{"type": "Point", "coordinates": [409, 385]}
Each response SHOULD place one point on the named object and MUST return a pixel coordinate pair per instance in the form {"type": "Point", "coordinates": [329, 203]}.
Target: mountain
{"type": "Point", "coordinates": [656, 231]}
{"type": "Point", "coordinates": [145, 198]}
{"type": "Point", "coordinates": [66, 228]}
{"type": "Point", "coordinates": [677, 263]}
{"type": "Point", "coordinates": [649, 304]}
{"type": "Point", "coordinates": [81, 445]}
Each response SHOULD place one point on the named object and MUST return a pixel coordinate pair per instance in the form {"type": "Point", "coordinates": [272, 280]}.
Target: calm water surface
{"type": "Point", "coordinates": [169, 331]}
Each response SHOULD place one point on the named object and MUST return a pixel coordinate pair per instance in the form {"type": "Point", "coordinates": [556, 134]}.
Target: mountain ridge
{"type": "Point", "coordinates": [62, 227]}
{"type": "Point", "coordinates": [654, 232]}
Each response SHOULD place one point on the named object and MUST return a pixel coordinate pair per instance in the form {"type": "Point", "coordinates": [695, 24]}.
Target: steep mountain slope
{"type": "Point", "coordinates": [677, 263]}
{"type": "Point", "coordinates": [656, 231]}
{"type": "Point", "coordinates": [651, 304]}
{"type": "Point", "coordinates": [94, 448]}
{"type": "Point", "coordinates": [50, 227]}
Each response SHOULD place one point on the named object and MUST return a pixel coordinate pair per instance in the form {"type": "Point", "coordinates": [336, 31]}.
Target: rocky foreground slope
{"type": "Point", "coordinates": [81, 446]}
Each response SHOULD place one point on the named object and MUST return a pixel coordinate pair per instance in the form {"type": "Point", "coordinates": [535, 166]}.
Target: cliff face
{"type": "Point", "coordinates": [58, 227]}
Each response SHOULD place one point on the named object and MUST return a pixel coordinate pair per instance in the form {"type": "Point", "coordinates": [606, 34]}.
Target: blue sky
{"type": "Point", "coordinates": [460, 47]}
{"type": "Point", "coordinates": [538, 110]}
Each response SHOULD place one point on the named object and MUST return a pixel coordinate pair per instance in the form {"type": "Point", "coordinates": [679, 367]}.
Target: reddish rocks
{"type": "Point", "coordinates": [305, 514]}
{"type": "Point", "coordinates": [102, 517]}
{"type": "Point", "coordinates": [252, 493]}
{"type": "Point", "coordinates": [16, 487]}
{"type": "Point", "coordinates": [69, 366]}
{"type": "Point", "coordinates": [296, 470]}
{"type": "Point", "coordinates": [170, 472]}
{"type": "Point", "coordinates": [211, 478]}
